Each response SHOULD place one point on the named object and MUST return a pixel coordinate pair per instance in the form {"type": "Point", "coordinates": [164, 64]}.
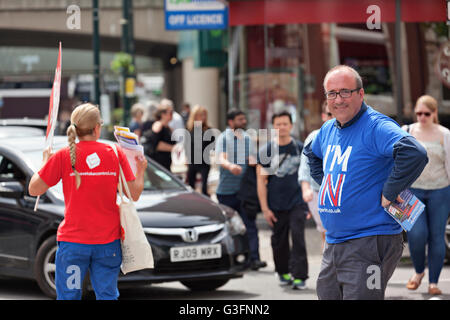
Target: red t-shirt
{"type": "Point", "coordinates": [91, 212]}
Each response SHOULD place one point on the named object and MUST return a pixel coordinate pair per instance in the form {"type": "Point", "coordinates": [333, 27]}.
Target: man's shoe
{"type": "Point", "coordinates": [257, 264]}
{"type": "Point", "coordinates": [285, 279]}
{"type": "Point", "coordinates": [298, 284]}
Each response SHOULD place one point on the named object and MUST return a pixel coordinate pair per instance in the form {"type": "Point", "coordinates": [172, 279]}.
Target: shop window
{"type": "Point", "coordinates": [371, 62]}
{"type": "Point", "coordinates": [267, 77]}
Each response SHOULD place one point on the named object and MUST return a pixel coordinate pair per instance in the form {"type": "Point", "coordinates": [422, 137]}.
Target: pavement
{"type": "Point", "coordinates": [396, 289]}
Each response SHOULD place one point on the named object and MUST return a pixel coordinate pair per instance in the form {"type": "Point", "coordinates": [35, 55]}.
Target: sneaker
{"type": "Point", "coordinates": [285, 279]}
{"type": "Point", "coordinates": [257, 264]}
{"type": "Point", "coordinates": [298, 284]}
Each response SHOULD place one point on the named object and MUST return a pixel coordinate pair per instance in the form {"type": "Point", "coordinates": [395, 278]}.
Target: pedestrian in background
{"type": "Point", "coordinates": [137, 113]}
{"type": "Point", "coordinates": [177, 120]}
{"type": "Point", "coordinates": [432, 188]}
{"type": "Point", "coordinates": [310, 188]}
{"type": "Point", "coordinates": [248, 195]}
{"type": "Point", "coordinates": [235, 151]}
{"type": "Point", "coordinates": [185, 112]}
{"type": "Point", "coordinates": [363, 160]}
{"type": "Point", "coordinates": [147, 120]}
{"type": "Point", "coordinates": [159, 143]}
{"type": "Point", "coordinates": [280, 198]}
{"type": "Point", "coordinates": [89, 236]}
{"type": "Point", "coordinates": [197, 125]}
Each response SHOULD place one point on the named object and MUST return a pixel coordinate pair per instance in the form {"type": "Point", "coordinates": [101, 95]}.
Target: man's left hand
{"type": "Point", "coordinates": [385, 202]}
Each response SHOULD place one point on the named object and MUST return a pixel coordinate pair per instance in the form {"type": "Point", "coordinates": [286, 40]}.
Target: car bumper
{"type": "Point", "coordinates": [149, 276]}
{"type": "Point", "coordinates": [228, 266]}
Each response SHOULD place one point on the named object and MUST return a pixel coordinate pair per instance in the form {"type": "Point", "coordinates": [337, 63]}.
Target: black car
{"type": "Point", "coordinates": [177, 221]}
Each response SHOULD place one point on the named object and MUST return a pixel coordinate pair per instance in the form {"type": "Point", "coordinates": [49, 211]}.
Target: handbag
{"type": "Point", "coordinates": [136, 251]}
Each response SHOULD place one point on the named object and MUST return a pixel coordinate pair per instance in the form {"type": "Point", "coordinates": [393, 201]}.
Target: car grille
{"type": "Point", "coordinates": [171, 236]}
{"type": "Point", "coordinates": [162, 239]}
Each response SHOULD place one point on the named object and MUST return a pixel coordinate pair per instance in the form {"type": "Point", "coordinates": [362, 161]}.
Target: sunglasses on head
{"type": "Point", "coordinates": [426, 114]}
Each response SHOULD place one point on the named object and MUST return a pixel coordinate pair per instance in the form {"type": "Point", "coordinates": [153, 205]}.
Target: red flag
{"type": "Point", "coordinates": [53, 109]}
{"type": "Point", "coordinates": [54, 103]}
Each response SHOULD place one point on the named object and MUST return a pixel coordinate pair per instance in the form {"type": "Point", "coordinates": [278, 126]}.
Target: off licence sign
{"type": "Point", "coordinates": [190, 253]}
{"type": "Point", "coordinates": [195, 14]}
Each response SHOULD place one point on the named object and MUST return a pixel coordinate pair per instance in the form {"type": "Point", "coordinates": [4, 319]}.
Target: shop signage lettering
{"type": "Point", "coordinates": [195, 14]}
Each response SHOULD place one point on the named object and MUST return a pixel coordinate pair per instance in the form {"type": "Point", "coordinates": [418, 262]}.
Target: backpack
{"type": "Point", "coordinates": [248, 193]}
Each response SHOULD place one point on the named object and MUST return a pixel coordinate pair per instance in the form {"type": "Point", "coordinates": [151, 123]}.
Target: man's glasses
{"type": "Point", "coordinates": [344, 93]}
{"type": "Point", "coordinates": [426, 114]}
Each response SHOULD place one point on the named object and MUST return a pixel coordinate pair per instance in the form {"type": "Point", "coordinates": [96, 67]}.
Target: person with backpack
{"type": "Point", "coordinates": [235, 154]}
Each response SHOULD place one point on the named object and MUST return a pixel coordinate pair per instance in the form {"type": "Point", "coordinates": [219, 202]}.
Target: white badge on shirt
{"type": "Point", "coordinates": [93, 160]}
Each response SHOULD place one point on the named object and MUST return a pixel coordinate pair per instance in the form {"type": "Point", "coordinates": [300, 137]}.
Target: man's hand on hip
{"type": "Point", "coordinates": [385, 202]}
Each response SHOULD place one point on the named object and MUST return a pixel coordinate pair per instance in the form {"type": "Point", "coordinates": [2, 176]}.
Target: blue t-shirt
{"type": "Point", "coordinates": [283, 189]}
{"type": "Point", "coordinates": [237, 150]}
{"type": "Point", "coordinates": [357, 160]}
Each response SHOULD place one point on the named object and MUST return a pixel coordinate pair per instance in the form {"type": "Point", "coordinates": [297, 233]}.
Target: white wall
{"type": "Point", "coordinates": [201, 86]}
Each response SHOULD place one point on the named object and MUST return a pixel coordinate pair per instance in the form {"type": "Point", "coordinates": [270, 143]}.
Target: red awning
{"type": "Point", "coordinates": [259, 12]}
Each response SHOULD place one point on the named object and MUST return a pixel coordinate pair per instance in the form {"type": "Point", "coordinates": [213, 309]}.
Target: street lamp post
{"type": "Point", "coordinates": [96, 49]}
{"type": "Point", "coordinates": [398, 62]}
{"type": "Point", "coordinates": [125, 48]}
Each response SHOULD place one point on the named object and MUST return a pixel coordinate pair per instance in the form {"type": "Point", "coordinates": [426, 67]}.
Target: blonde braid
{"type": "Point", "coordinates": [84, 120]}
{"type": "Point", "coordinates": [72, 134]}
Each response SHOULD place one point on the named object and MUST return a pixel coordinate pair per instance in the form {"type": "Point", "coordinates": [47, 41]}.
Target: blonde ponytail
{"type": "Point", "coordinates": [72, 134]}
{"type": "Point", "coordinates": [83, 121]}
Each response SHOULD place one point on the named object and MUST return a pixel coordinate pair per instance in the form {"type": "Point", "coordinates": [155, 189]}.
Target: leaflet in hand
{"type": "Point", "coordinates": [129, 142]}
{"type": "Point", "coordinates": [406, 213]}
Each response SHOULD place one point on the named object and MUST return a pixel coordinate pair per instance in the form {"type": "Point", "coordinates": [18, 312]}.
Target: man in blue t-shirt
{"type": "Point", "coordinates": [363, 160]}
{"type": "Point", "coordinates": [235, 153]}
{"type": "Point", "coordinates": [280, 198]}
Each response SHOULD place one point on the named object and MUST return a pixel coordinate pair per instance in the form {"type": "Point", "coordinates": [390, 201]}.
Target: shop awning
{"type": "Point", "coordinates": [260, 12]}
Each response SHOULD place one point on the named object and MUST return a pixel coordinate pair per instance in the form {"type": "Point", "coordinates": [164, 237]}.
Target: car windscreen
{"type": "Point", "coordinates": [155, 179]}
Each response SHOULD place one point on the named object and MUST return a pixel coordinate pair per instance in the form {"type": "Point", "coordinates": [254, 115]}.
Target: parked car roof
{"type": "Point", "coordinates": [19, 131]}
{"type": "Point", "coordinates": [26, 122]}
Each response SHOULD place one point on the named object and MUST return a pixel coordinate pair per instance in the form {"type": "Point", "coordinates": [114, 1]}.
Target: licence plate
{"type": "Point", "coordinates": [189, 253]}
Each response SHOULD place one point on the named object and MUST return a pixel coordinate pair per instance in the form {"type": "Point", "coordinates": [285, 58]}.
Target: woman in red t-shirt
{"type": "Point", "coordinates": [89, 236]}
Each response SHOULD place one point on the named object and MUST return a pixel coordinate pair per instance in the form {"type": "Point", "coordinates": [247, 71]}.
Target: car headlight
{"type": "Point", "coordinates": [234, 221]}
{"type": "Point", "coordinates": [236, 225]}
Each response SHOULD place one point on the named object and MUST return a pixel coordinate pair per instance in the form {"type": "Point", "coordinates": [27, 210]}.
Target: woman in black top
{"type": "Point", "coordinates": [159, 144]}
{"type": "Point", "coordinates": [197, 124]}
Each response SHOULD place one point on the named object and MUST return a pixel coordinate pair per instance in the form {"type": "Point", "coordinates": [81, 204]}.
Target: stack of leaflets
{"type": "Point", "coordinates": [407, 212]}
{"type": "Point", "coordinates": [129, 142]}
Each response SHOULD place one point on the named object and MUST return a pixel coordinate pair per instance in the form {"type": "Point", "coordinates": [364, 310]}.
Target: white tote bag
{"type": "Point", "coordinates": [136, 251]}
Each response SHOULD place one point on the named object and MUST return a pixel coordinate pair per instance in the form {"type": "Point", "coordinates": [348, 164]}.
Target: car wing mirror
{"type": "Point", "coordinates": [11, 189]}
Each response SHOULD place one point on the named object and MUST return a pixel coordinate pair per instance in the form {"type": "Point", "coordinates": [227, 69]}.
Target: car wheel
{"type": "Point", "coordinates": [45, 269]}
{"type": "Point", "coordinates": [447, 238]}
{"type": "Point", "coordinates": [204, 285]}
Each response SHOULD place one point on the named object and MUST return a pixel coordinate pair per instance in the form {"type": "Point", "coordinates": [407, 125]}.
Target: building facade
{"type": "Point", "coordinates": [283, 49]}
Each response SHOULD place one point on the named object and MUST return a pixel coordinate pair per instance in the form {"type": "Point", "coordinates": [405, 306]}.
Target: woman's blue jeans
{"type": "Point", "coordinates": [73, 260]}
{"type": "Point", "coordinates": [429, 229]}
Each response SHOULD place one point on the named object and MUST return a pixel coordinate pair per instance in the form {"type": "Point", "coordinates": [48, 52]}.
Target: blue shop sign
{"type": "Point", "coordinates": [195, 14]}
